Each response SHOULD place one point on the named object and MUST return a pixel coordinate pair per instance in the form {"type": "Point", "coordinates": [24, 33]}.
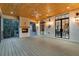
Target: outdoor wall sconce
{"type": "Point", "coordinates": [49, 24]}
{"type": "Point", "coordinates": [77, 19]}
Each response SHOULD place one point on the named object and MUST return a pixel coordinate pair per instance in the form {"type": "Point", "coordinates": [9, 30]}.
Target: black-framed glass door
{"type": "Point", "coordinates": [33, 30]}
{"type": "Point", "coordinates": [62, 28]}
{"type": "Point", "coordinates": [58, 32]}
{"type": "Point", "coordinates": [42, 27]}
{"type": "Point", "coordinates": [65, 28]}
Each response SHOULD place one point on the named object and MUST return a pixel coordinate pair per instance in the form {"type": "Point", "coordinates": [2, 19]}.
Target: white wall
{"type": "Point", "coordinates": [24, 22]}
{"type": "Point", "coordinates": [51, 30]}
{"type": "Point", "coordinates": [74, 28]}
{"type": "Point", "coordinates": [21, 35]}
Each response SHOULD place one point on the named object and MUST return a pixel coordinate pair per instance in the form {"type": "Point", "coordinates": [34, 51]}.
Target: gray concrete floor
{"type": "Point", "coordinates": [39, 46]}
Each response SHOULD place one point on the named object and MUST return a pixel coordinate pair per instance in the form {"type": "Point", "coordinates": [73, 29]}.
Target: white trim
{"type": "Point", "coordinates": [9, 17]}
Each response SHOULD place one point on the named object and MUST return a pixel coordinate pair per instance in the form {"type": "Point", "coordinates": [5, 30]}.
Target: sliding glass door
{"type": "Point", "coordinates": [10, 28]}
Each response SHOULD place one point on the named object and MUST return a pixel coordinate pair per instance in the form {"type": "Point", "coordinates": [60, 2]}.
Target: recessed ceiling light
{"type": "Point", "coordinates": [11, 12]}
{"type": "Point", "coordinates": [68, 7]}
{"type": "Point", "coordinates": [47, 15]}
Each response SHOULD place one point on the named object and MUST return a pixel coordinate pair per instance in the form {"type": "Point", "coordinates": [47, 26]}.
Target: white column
{"type": "Point", "coordinates": [19, 25]}
{"type": "Point", "coordinates": [1, 27]}
{"type": "Point", "coordinates": [38, 28]}
{"type": "Point", "coordinates": [1, 24]}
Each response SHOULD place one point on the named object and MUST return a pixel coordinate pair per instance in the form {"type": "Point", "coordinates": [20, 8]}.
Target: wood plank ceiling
{"type": "Point", "coordinates": [42, 10]}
